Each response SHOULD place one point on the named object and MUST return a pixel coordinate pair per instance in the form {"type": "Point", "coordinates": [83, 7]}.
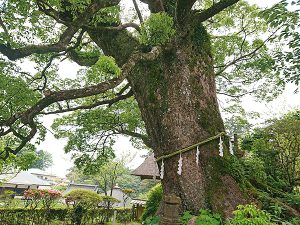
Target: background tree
{"type": "Point", "coordinates": [21, 161]}
{"type": "Point", "coordinates": [278, 146]}
{"type": "Point", "coordinates": [44, 160]}
{"type": "Point", "coordinates": [156, 82]}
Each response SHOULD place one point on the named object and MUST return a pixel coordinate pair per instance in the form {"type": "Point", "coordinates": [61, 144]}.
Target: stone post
{"type": "Point", "coordinates": [170, 211]}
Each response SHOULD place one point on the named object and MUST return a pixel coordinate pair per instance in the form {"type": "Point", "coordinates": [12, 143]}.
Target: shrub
{"type": "Point", "coordinates": [59, 216]}
{"type": "Point", "coordinates": [87, 199]}
{"type": "Point", "coordinates": [7, 198]}
{"type": "Point", "coordinates": [82, 200]}
{"type": "Point", "coordinates": [186, 218]}
{"type": "Point", "coordinates": [157, 30]}
{"type": "Point", "coordinates": [153, 202]}
{"type": "Point", "coordinates": [108, 201]}
{"type": "Point", "coordinates": [207, 218]}
{"type": "Point", "coordinates": [45, 198]}
{"type": "Point", "coordinates": [249, 214]}
{"type": "Point", "coordinates": [152, 220]}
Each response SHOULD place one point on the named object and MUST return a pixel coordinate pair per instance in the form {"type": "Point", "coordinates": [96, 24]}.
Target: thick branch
{"type": "Point", "coordinates": [64, 39]}
{"type": "Point", "coordinates": [154, 5]}
{"type": "Point", "coordinates": [27, 116]}
{"type": "Point", "coordinates": [214, 9]}
{"type": "Point", "coordinates": [183, 10]}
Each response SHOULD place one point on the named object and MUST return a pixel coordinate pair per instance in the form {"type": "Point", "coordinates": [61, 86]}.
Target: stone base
{"type": "Point", "coordinates": [165, 221]}
{"type": "Point", "coordinates": [170, 210]}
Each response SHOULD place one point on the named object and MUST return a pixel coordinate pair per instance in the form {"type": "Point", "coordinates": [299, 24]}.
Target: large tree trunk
{"type": "Point", "coordinates": [176, 94]}
{"type": "Point", "coordinates": [177, 97]}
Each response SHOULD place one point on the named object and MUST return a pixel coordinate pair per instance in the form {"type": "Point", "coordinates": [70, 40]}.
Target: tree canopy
{"type": "Point", "coordinates": [247, 46]}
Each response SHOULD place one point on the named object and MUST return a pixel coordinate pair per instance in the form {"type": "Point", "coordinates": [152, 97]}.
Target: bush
{"type": "Point", "coordinates": [82, 200]}
{"type": "Point", "coordinates": [249, 214]}
{"type": "Point", "coordinates": [153, 202]}
{"type": "Point", "coordinates": [59, 216]}
{"type": "Point", "coordinates": [152, 220]}
{"type": "Point", "coordinates": [7, 198]}
{"type": "Point", "coordinates": [45, 198]}
{"type": "Point", "coordinates": [207, 218]}
{"type": "Point", "coordinates": [186, 218]}
{"type": "Point", "coordinates": [87, 199]}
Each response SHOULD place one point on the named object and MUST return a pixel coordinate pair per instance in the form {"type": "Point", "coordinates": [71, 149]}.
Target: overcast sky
{"type": "Point", "coordinates": [62, 161]}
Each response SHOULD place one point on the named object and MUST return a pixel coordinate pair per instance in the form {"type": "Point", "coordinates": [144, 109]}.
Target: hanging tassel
{"type": "Point", "coordinates": [180, 165]}
{"type": "Point", "coordinates": [197, 155]}
{"type": "Point", "coordinates": [162, 169]}
{"type": "Point", "coordinates": [221, 153]}
{"type": "Point", "coordinates": [231, 147]}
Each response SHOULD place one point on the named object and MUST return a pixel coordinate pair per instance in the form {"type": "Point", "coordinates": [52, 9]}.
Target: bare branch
{"type": "Point", "coordinates": [138, 11]}
{"type": "Point", "coordinates": [143, 137]}
{"type": "Point", "coordinates": [246, 56]}
{"type": "Point", "coordinates": [4, 27]}
{"type": "Point", "coordinates": [103, 102]}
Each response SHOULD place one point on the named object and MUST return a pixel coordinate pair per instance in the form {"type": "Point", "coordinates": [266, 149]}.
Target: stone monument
{"type": "Point", "coordinates": [170, 211]}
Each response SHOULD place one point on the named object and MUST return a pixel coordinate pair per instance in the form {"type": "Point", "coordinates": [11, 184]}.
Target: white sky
{"type": "Point", "coordinates": [62, 161]}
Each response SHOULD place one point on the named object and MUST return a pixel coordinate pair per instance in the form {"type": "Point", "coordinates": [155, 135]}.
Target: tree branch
{"type": "Point", "coordinates": [144, 138]}
{"type": "Point", "coordinates": [138, 11]}
{"type": "Point", "coordinates": [214, 10]}
{"type": "Point", "coordinates": [155, 6]}
{"type": "Point", "coordinates": [27, 117]}
{"type": "Point", "coordinates": [183, 10]}
{"type": "Point", "coordinates": [103, 102]}
{"type": "Point", "coordinates": [244, 57]}
{"type": "Point", "coordinates": [65, 38]}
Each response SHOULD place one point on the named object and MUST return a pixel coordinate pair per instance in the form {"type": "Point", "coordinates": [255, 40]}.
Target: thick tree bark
{"type": "Point", "coordinates": [177, 97]}
{"type": "Point", "coordinates": [176, 94]}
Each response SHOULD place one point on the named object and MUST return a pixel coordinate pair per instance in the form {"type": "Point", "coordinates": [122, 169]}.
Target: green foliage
{"type": "Point", "coordinates": [157, 30]}
{"type": "Point", "coordinates": [154, 198]}
{"type": "Point", "coordinates": [82, 130]}
{"type": "Point", "coordinates": [105, 68]}
{"type": "Point", "coordinates": [255, 169]}
{"type": "Point", "coordinates": [207, 218]}
{"type": "Point", "coordinates": [249, 214]}
{"type": "Point", "coordinates": [152, 220]}
{"type": "Point", "coordinates": [185, 218]}
{"type": "Point", "coordinates": [43, 161]}
{"type": "Point", "coordinates": [85, 198]}
{"type": "Point", "coordinates": [41, 198]}
{"type": "Point", "coordinates": [59, 216]}
{"type": "Point", "coordinates": [275, 150]}
{"type": "Point", "coordinates": [232, 39]}
{"type": "Point", "coordinates": [7, 198]}
{"type": "Point", "coordinates": [22, 161]}
{"type": "Point", "coordinates": [285, 17]}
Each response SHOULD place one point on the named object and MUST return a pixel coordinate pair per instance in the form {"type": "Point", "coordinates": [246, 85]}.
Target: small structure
{"type": "Point", "coordinates": [138, 206]}
{"type": "Point", "coordinates": [21, 181]}
{"type": "Point", "coordinates": [117, 193]}
{"type": "Point", "coordinates": [148, 169]}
